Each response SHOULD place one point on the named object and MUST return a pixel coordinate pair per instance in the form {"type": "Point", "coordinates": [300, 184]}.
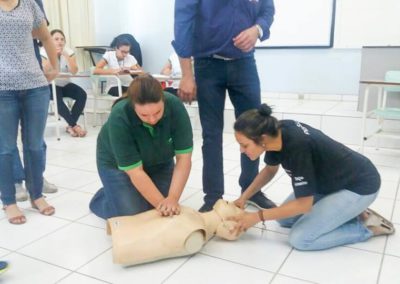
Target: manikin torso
{"type": "Point", "coordinates": [149, 237]}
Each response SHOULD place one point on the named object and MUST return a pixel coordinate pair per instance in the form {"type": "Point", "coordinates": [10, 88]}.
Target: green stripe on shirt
{"type": "Point", "coordinates": [131, 166]}
{"type": "Point", "coordinates": [188, 150]}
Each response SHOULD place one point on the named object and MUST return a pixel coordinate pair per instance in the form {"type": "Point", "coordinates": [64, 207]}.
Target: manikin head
{"type": "Point", "coordinates": [225, 209]}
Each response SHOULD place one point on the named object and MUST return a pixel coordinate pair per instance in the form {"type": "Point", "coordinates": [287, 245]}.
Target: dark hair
{"type": "Point", "coordinates": [58, 31]}
{"type": "Point", "coordinates": [257, 122]}
{"type": "Point", "coordinates": [121, 41]}
{"type": "Point", "coordinates": [144, 89]}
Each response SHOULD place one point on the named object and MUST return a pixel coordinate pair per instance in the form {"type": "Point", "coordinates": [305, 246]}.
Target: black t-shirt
{"type": "Point", "coordinates": [318, 164]}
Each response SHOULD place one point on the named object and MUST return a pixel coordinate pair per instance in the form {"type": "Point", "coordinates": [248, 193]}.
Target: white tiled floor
{"type": "Point", "coordinates": [72, 246]}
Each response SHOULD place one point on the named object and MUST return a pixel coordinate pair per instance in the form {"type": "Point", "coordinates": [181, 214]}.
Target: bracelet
{"type": "Point", "coordinates": [261, 216]}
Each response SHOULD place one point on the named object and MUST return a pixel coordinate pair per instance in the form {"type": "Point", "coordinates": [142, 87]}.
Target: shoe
{"type": "Point", "coordinates": [14, 214]}
{"type": "Point", "coordinates": [377, 224]}
{"type": "Point", "coordinates": [260, 201]}
{"type": "Point", "coordinates": [207, 206]}
{"type": "Point", "coordinates": [78, 130]}
{"type": "Point", "coordinates": [49, 187]}
{"type": "Point", "coordinates": [21, 194]}
{"type": "Point", "coordinates": [71, 131]}
{"type": "Point", "coordinates": [3, 266]}
{"type": "Point", "coordinates": [46, 210]}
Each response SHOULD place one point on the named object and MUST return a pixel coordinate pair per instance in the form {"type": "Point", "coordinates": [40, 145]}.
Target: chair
{"type": "Point", "coordinates": [135, 46]}
{"type": "Point", "coordinates": [98, 83]}
{"type": "Point", "coordinates": [389, 87]}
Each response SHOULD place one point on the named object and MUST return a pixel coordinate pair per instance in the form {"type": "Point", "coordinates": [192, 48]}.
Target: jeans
{"type": "Point", "coordinates": [76, 93]}
{"type": "Point", "coordinates": [333, 221]}
{"type": "Point", "coordinates": [30, 107]}
{"type": "Point", "coordinates": [213, 78]}
{"type": "Point", "coordinates": [18, 168]}
{"type": "Point", "coordinates": [119, 197]}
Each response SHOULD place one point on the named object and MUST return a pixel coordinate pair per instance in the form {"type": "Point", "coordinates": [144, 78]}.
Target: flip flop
{"type": "Point", "coordinates": [375, 220]}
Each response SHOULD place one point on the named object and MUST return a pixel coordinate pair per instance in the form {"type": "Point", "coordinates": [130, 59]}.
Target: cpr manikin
{"type": "Point", "coordinates": [149, 237]}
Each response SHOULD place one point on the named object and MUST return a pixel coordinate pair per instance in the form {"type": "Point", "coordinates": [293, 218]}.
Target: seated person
{"type": "Point", "coordinates": [149, 236]}
{"type": "Point", "coordinates": [64, 88]}
{"type": "Point", "coordinates": [172, 68]}
{"type": "Point", "coordinates": [119, 62]}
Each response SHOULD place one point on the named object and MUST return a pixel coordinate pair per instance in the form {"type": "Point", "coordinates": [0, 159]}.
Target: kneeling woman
{"type": "Point", "coordinates": [136, 149]}
{"type": "Point", "coordinates": [333, 185]}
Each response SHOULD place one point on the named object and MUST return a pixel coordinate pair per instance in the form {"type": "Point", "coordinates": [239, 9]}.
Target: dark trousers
{"type": "Point", "coordinates": [119, 197]}
{"type": "Point", "coordinates": [114, 91]}
{"type": "Point", "coordinates": [76, 93]}
{"type": "Point", "coordinates": [213, 78]}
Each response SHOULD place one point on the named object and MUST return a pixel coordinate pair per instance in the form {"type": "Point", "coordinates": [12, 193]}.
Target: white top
{"type": "Point", "coordinates": [111, 58]}
{"type": "Point", "coordinates": [63, 64]}
{"type": "Point", "coordinates": [176, 70]}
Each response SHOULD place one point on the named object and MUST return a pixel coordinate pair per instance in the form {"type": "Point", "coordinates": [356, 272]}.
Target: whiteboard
{"type": "Point", "coordinates": [367, 23]}
{"type": "Point", "coordinates": [302, 23]}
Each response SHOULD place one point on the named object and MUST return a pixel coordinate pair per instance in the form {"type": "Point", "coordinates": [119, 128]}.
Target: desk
{"type": "Point", "coordinates": [380, 105]}
{"type": "Point", "coordinates": [101, 49]}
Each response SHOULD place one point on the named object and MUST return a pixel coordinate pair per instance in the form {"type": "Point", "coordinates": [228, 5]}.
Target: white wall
{"type": "Point", "coordinates": [330, 71]}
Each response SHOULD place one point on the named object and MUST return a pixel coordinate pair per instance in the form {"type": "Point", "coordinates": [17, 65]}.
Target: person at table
{"type": "Point", "coordinates": [136, 148]}
{"type": "Point", "coordinates": [66, 89]}
{"type": "Point", "coordinates": [118, 62]}
{"type": "Point", "coordinates": [332, 184]}
{"type": "Point", "coordinates": [172, 68]}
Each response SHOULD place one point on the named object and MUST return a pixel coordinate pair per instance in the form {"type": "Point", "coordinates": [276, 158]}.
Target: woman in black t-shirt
{"type": "Point", "coordinates": [332, 184]}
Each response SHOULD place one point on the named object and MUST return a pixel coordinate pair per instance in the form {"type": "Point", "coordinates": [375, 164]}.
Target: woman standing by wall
{"type": "Point", "coordinates": [24, 96]}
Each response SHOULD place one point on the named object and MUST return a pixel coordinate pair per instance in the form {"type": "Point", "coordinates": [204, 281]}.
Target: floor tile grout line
{"type": "Point", "coordinates": [178, 268]}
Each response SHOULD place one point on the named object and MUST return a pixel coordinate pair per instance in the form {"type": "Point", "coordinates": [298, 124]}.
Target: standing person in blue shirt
{"type": "Point", "coordinates": [221, 36]}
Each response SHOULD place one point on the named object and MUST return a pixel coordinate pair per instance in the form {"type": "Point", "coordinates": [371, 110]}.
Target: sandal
{"type": "Point", "coordinates": [378, 224]}
{"type": "Point", "coordinates": [16, 218]}
{"type": "Point", "coordinates": [79, 131]}
{"type": "Point", "coordinates": [71, 131]}
{"type": "Point", "coordinates": [46, 210]}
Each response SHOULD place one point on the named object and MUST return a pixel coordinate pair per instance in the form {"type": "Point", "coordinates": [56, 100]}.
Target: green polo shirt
{"type": "Point", "coordinates": [125, 142]}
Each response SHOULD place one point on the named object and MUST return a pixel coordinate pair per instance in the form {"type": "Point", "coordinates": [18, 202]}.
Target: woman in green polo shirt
{"type": "Point", "coordinates": [136, 149]}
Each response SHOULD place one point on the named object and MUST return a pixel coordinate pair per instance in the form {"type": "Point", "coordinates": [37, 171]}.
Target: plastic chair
{"type": "Point", "coordinates": [99, 94]}
{"type": "Point", "coordinates": [54, 107]}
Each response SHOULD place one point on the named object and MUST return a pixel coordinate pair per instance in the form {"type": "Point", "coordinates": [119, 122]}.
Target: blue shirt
{"type": "Point", "coordinates": [206, 27]}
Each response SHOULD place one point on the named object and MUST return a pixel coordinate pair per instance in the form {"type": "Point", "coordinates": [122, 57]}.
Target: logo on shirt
{"type": "Point", "coordinates": [169, 141]}
{"type": "Point", "coordinates": [299, 181]}
{"type": "Point", "coordinates": [305, 130]}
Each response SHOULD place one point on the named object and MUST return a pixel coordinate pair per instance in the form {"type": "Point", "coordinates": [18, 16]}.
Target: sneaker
{"type": "Point", "coordinates": [49, 187]}
{"type": "Point", "coordinates": [21, 194]}
{"type": "Point", "coordinates": [3, 266]}
{"type": "Point", "coordinates": [260, 201]}
{"type": "Point", "coordinates": [207, 206]}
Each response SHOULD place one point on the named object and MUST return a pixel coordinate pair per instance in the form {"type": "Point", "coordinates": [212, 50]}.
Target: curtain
{"type": "Point", "coordinates": [76, 19]}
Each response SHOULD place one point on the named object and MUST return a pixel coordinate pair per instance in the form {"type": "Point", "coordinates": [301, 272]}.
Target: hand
{"type": "Point", "coordinates": [168, 207]}
{"type": "Point", "coordinates": [247, 39]}
{"type": "Point", "coordinates": [51, 74]}
{"type": "Point", "coordinates": [240, 202]}
{"type": "Point", "coordinates": [243, 221]}
{"type": "Point", "coordinates": [187, 89]}
{"type": "Point", "coordinates": [115, 71]}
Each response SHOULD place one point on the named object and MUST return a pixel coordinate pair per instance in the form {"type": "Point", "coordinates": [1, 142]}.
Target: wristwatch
{"type": "Point", "coordinates": [260, 31]}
